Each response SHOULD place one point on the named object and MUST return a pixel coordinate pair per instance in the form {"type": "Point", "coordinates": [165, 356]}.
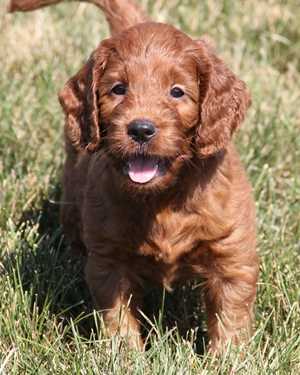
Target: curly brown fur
{"type": "Point", "coordinates": [194, 216]}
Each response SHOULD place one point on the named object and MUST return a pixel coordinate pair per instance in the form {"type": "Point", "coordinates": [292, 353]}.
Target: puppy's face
{"type": "Point", "coordinates": [148, 100]}
{"type": "Point", "coordinates": [153, 98]}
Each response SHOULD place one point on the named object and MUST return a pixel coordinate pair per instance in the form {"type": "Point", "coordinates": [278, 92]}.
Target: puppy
{"type": "Point", "coordinates": [157, 188]}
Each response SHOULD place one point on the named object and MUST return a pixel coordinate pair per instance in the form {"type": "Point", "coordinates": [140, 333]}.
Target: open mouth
{"type": "Point", "coordinates": [142, 169]}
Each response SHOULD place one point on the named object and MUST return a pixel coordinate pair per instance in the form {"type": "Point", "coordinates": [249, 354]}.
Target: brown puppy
{"type": "Point", "coordinates": [157, 187]}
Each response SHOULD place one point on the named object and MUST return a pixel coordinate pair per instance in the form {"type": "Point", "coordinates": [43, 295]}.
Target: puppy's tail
{"type": "Point", "coordinates": [120, 14]}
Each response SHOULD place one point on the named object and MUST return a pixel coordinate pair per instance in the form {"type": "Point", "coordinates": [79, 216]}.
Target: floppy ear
{"type": "Point", "coordinates": [224, 100]}
{"type": "Point", "coordinates": [79, 101]}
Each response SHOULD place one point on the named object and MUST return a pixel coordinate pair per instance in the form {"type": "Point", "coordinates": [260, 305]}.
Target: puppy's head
{"type": "Point", "coordinates": [153, 99]}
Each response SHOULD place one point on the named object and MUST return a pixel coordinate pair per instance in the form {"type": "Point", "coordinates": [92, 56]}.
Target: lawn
{"type": "Point", "coordinates": [47, 325]}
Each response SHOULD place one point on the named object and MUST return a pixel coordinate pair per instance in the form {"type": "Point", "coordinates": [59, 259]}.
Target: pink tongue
{"type": "Point", "coordinates": [142, 170]}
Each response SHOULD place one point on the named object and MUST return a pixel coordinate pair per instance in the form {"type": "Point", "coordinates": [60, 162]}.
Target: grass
{"type": "Point", "coordinates": [47, 325]}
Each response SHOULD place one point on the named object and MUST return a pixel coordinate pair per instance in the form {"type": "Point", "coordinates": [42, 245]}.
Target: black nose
{"type": "Point", "coordinates": [141, 130]}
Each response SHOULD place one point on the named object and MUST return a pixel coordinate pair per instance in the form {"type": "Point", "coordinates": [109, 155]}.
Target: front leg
{"type": "Point", "coordinates": [115, 294]}
{"type": "Point", "coordinates": [230, 295]}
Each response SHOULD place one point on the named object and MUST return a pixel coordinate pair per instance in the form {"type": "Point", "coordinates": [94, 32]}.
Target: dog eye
{"type": "Point", "coordinates": [176, 92]}
{"type": "Point", "coordinates": [119, 89]}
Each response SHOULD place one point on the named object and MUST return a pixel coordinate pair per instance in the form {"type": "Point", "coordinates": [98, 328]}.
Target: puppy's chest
{"type": "Point", "coordinates": [171, 235]}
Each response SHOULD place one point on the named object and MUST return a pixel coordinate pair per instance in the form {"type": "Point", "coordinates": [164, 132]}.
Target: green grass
{"type": "Point", "coordinates": [47, 325]}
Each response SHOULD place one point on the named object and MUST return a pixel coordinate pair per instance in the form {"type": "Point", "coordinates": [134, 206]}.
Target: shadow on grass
{"type": "Point", "coordinates": [182, 309]}
{"type": "Point", "coordinates": [43, 267]}
{"type": "Point", "coordinates": [46, 269]}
